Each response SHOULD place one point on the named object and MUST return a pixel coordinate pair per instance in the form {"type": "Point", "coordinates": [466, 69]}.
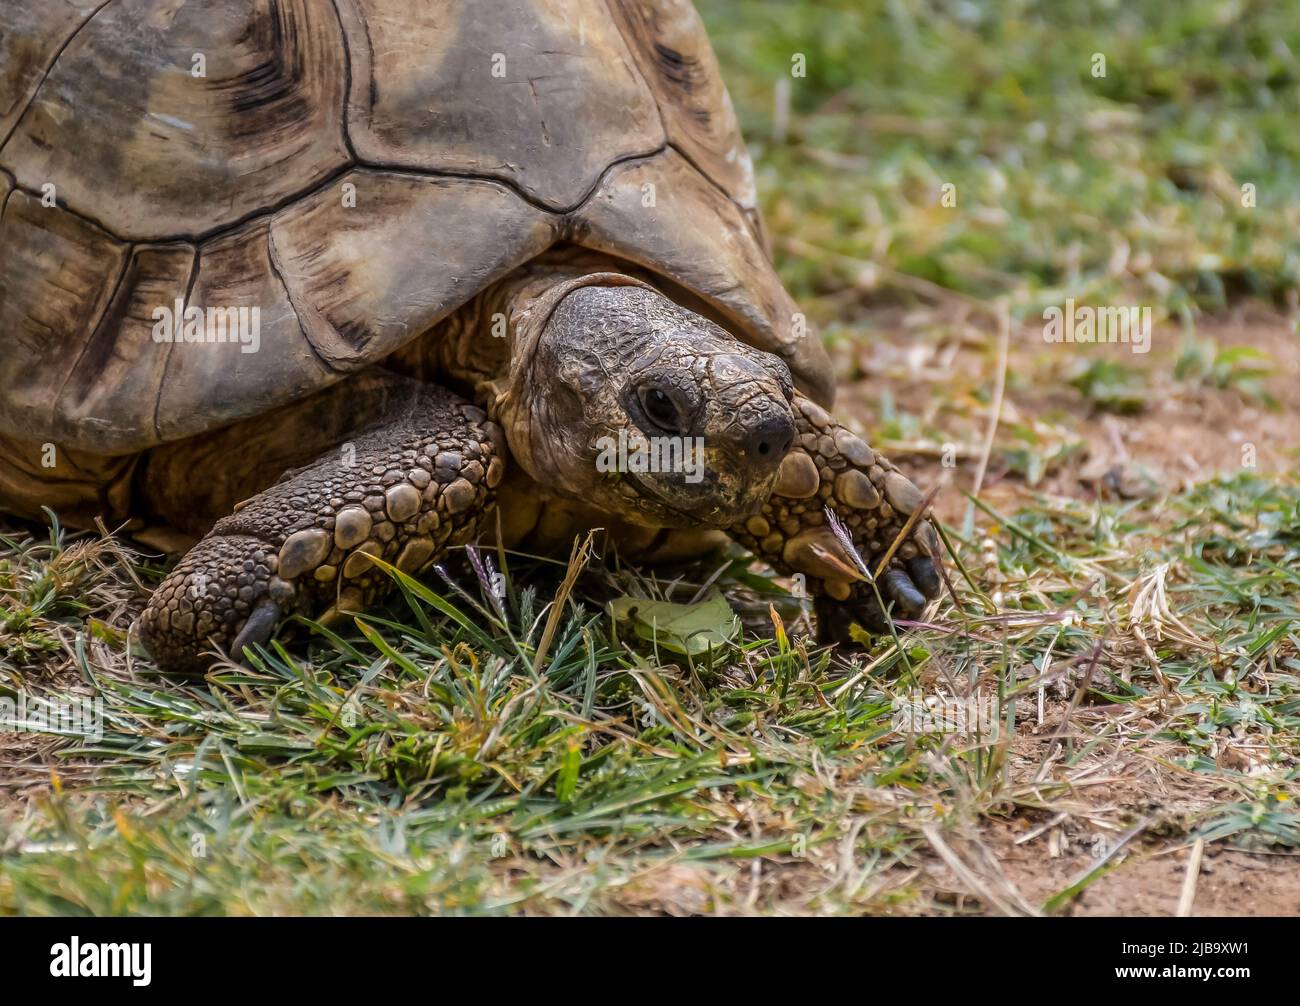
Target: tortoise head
{"type": "Point", "coordinates": [647, 410]}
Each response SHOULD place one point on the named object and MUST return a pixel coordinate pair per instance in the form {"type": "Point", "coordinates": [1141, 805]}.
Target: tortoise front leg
{"type": "Point", "coordinates": [829, 466]}
{"type": "Point", "coordinates": [416, 485]}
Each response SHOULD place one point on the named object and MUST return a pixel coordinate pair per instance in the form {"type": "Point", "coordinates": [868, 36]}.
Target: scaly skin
{"type": "Point", "coordinates": [421, 483]}
{"type": "Point", "coordinates": [829, 466]}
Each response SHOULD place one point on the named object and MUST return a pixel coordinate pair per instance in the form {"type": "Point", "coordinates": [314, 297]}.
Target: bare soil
{"type": "Point", "coordinates": [1184, 432]}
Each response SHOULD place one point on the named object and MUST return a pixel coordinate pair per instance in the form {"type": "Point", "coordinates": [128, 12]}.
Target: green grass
{"type": "Point", "coordinates": [1105, 188]}
{"type": "Point", "coordinates": [416, 762]}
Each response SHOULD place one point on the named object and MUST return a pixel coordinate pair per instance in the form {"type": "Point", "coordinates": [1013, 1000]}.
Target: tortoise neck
{"type": "Point", "coordinates": [486, 345]}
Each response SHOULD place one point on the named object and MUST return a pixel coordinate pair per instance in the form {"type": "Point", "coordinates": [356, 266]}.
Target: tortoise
{"type": "Point", "coordinates": [290, 286]}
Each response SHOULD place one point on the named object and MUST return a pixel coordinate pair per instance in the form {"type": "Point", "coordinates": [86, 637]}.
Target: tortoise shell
{"type": "Point", "coordinates": [356, 170]}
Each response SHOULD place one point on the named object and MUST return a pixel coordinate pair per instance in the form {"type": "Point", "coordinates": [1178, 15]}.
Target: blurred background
{"type": "Point", "coordinates": [1123, 184]}
{"type": "Point", "coordinates": [1128, 188]}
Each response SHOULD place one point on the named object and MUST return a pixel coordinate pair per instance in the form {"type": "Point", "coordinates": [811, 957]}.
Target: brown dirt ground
{"type": "Point", "coordinates": [1185, 433]}
{"type": "Point", "coordinates": [1149, 882]}
{"type": "Point", "coordinates": [1032, 854]}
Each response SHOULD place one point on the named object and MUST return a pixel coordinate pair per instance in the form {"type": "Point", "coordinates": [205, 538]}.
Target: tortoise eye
{"type": "Point", "coordinates": [659, 408]}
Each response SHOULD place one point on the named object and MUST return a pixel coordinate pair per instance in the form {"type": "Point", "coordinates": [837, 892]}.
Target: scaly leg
{"type": "Point", "coordinates": [413, 486]}
{"type": "Point", "coordinates": [829, 466]}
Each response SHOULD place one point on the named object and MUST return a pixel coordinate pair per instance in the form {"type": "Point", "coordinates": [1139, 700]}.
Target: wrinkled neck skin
{"type": "Point", "coordinates": [478, 344]}
{"type": "Point", "coordinates": [558, 383]}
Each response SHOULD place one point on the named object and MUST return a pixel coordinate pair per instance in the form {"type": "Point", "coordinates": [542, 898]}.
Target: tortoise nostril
{"type": "Point", "coordinates": [769, 441]}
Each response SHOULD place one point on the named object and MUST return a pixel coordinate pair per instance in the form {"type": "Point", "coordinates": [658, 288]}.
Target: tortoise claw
{"type": "Point", "coordinates": [898, 587]}
{"type": "Point", "coordinates": [258, 629]}
{"type": "Point", "coordinates": [925, 574]}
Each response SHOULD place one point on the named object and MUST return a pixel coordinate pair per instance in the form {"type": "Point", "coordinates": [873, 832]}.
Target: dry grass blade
{"type": "Point", "coordinates": [1188, 894]}
{"type": "Point", "coordinates": [1007, 900]}
{"type": "Point", "coordinates": [999, 390]}
{"type": "Point", "coordinates": [1148, 604]}
{"type": "Point", "coordinates": [578, 558]}
{"type": "Point", "coordinates": [913, 519]}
